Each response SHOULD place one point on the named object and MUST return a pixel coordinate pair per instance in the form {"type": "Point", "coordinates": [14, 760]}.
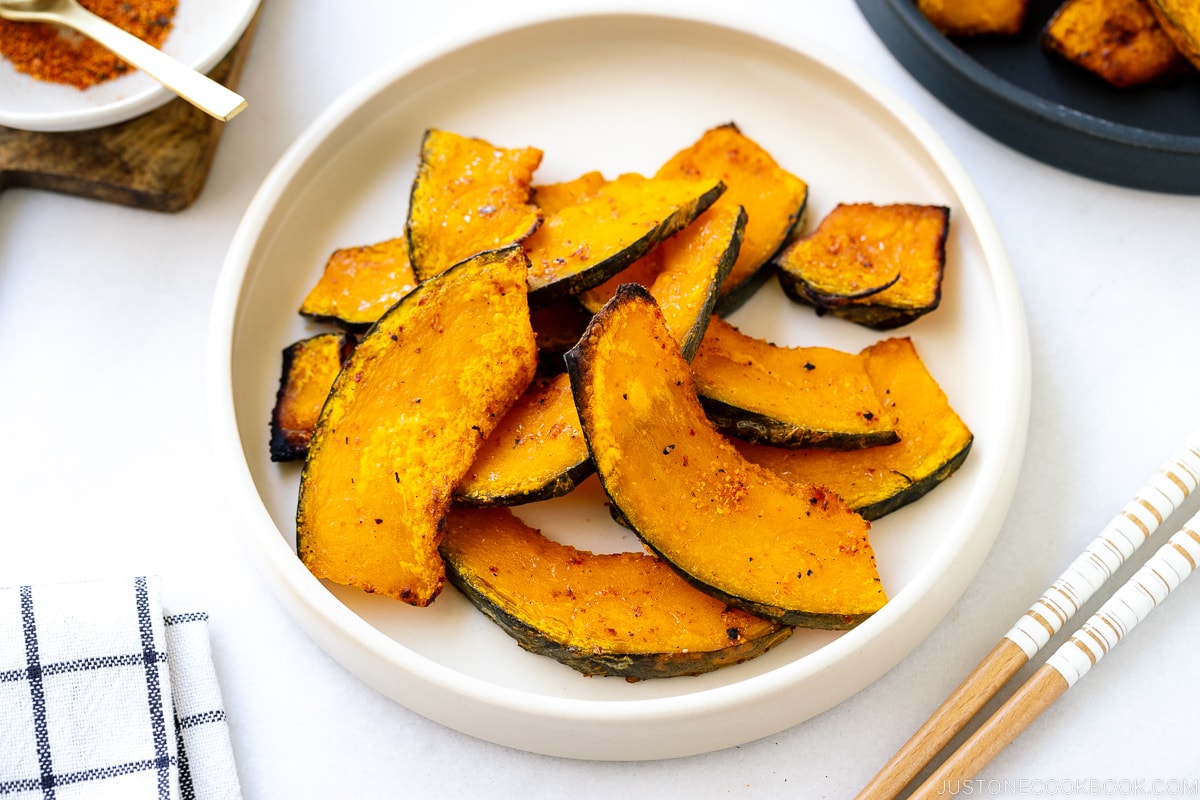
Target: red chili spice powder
{"type": "Point", "coordinates": [52, 53]}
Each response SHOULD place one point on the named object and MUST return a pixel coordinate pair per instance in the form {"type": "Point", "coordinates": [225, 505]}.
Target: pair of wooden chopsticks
{"type": "Point", "coordinates": [1162, 495]}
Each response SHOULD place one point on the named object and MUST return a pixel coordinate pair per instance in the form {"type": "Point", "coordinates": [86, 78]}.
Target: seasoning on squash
{"type": "Point", "coordinates": [880, 266]}
{"type": "Point", "coordinates": [795, 554]}
{"type": "Point", "coordinates": [788, 396]}
{"type": "Point", "coordinates": [360, 283]}
{"type": "Point", "coordinates": [309, 369]}
{"type": "Point", "coordinates": [581, 244]}
{"type": "Point", "coordinates": [468, 196]}
{"type": "Point", "coordinates": [774, 200]}
{"type": "Point", "coordinates": [419, 395]}
{"type": "Point", "coordinates": [612, 614]}
{"type": "Point", "coordinates": [538, 451]}
{"type": "Point", "coordinates": [54, 54]}
{"type": "Point", "coordinates": [934, 440]}
{"type": "Point", "coordinates": [1120, 41]}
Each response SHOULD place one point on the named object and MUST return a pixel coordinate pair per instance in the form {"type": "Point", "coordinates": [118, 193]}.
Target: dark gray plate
{"type": "Point", "coordinates": [1146, 137]}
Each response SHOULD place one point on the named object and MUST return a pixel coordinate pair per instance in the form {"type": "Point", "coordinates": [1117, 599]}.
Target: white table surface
{"type": "Point", "coordinates": [105, 468]}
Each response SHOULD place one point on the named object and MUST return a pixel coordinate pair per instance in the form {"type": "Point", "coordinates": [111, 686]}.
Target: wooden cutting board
{"type": "Point", "coordinates": [158, 161]}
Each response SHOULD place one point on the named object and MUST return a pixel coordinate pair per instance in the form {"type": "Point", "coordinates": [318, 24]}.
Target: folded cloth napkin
{"type": "Point", "coordinates": [102, 695]}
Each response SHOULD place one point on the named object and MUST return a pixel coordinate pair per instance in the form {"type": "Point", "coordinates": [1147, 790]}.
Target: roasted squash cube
{"type": "Point", "coordinates": [975, 17]}
{"type": "Point", "coordinates": [877, 265]}
{"type": "Point", "coordinates": [1118, 40]}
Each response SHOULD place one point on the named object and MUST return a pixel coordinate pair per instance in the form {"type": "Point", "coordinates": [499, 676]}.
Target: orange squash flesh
{"type": "Point", "coordinates": [774, 200]}
{"type": "Point", "coordinates": [419, 395]}
{"type": "Point", "coordinates": [538, 451]}
{"type": "Point", "coordinates": [309, 369]}
{"type": "Point", "coordinates": [682, 271]}
{"type": "Point", "coordinates": [360, 283]}
{"type": "Point", "coordinates": [1180, 19]}
{"type": "Point", "coordinates": [934, 440]}
{"type": "Point", "coordinates": [796, 554]}
{"type": "Point", "coordinates": [975, 17]}
{"type": "Point", "coordinates": [581, 245]}
{"type": "Point", "coordinates": [901, 247]}
{"type": "Point", "coordinates": [788, 396]}
{"type": "Point", "coordinates": [613, 614]}
{"type": "Point", "coordinates": [468, 196]}
{"type": "Point", "coordinates": [1120, 41]}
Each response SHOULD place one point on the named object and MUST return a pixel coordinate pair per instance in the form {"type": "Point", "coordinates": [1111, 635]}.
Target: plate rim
{"type": "Point", "coordinates": [1026, 121]}
{"type": "Point", "coordinates": [290, 579]}
{"type": "Point", "coordinates": [149, 97]}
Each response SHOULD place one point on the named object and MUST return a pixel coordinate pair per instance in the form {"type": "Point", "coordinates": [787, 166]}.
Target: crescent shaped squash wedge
{"type": "Point", "coordinates": [612, 614]}
{"type": "Point", "coordinates": [793, 553]}
{"type": "Point", "coordinates": [774, 199]}
{"type": "Point", "coordinates": [582, 244]}
{"type": "Point", "coordinates": [468, 196]}
{"type": "Point", "coordinates": [403, 420]}
{"type": "Point", "coordinates": [934, 440]}
{"type": "Point", "coordinates": [788, 396]}
{"type": "Point", "coordinates": [538, 451]}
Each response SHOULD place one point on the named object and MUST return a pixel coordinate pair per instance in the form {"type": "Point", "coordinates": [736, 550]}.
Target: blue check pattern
{"type": "Point", "coordinates": [87, 707]}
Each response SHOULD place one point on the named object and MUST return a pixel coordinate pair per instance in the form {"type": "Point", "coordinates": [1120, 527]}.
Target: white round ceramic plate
{"type": "Point", "coordinates": [202, 34]}
{"type": "Point", "coordinates": [621, 92]}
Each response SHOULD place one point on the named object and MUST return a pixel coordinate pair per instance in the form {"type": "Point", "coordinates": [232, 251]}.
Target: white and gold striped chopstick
{"type": "Point", "coordinates": [1161, 496]}
{"type": "Point", "coordinates": [1104, 630]}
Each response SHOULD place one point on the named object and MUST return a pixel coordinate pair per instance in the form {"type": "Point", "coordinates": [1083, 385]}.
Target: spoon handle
{"type": "Point", "coordinates": [198, 89]}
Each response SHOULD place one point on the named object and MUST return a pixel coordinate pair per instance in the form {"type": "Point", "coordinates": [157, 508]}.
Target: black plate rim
{"type": "Point", "coordinates": [1048, 131]}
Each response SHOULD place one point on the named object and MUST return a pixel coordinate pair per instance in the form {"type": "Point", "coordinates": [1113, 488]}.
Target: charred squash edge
{"type": "Point", "coordinates": [751, 426]}
{"type": "Point", "coordinates": [595, 662]}
{"type": "Point", "coordinates": [795, 617]}
{"type": "Point", "coordinates": [565, 482]}
{"type": "Point", "coordinates": [282, 447]}
{"type": "Point", "coordinates": [874, 315]}
{"type": "Point", "coordinates": [301, 510]}
{"type": "Point", "coordinates": [604, 269]}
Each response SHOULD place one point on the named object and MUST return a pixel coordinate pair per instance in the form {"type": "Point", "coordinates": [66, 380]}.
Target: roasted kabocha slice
{"type": "Point", "coordinates": [878, 266]}
{"type": "Point", "coordinates": [358, 284]}
{"type": "Point", "coordinates": [682, 272]}
{"type": "Point", "coordinates": [420, 393]}
{"type": "Point", "coordinates": [774, 200]}
{"type": "Point", "coordinates": [975, 18]}
{"type": "Point", "coordinates": [735, 530]}
{"type": "Point", "coordinates": [309, 368]}
{"type": "Point", "coordinates": [934, 440]}
{"type": "Point", "coordinates": [1180, 19]}
{"type": "Point", "coordinates": [1120, 41]}
{"type": "Point", "coordinates": [581, 244]}
{"type": "Point", "coordinates": [468, 196]}
{"type": "Point", "coordinates": [788, 396]}
{"type": "Point", "coordinates": [612, 614]}
{"type": "Point", "coordinates": [538, 451]}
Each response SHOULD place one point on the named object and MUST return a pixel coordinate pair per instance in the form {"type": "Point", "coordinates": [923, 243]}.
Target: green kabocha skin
{"type": "Point", "coordinates": [792, 553]}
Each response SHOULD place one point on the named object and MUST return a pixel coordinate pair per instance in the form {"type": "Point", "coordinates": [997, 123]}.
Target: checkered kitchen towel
{"type": "Point", "coordinates": [102, 695]}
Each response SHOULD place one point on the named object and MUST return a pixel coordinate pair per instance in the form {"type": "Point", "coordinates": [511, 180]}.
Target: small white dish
{"type": "Point", "coordinates": [202, 34]}
{"type": "Point", "coordinates": [620, 91]}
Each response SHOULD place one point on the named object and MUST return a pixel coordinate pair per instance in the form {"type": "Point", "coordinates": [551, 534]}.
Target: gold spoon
{"type": "Point", "coordinates": [199, 90]}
